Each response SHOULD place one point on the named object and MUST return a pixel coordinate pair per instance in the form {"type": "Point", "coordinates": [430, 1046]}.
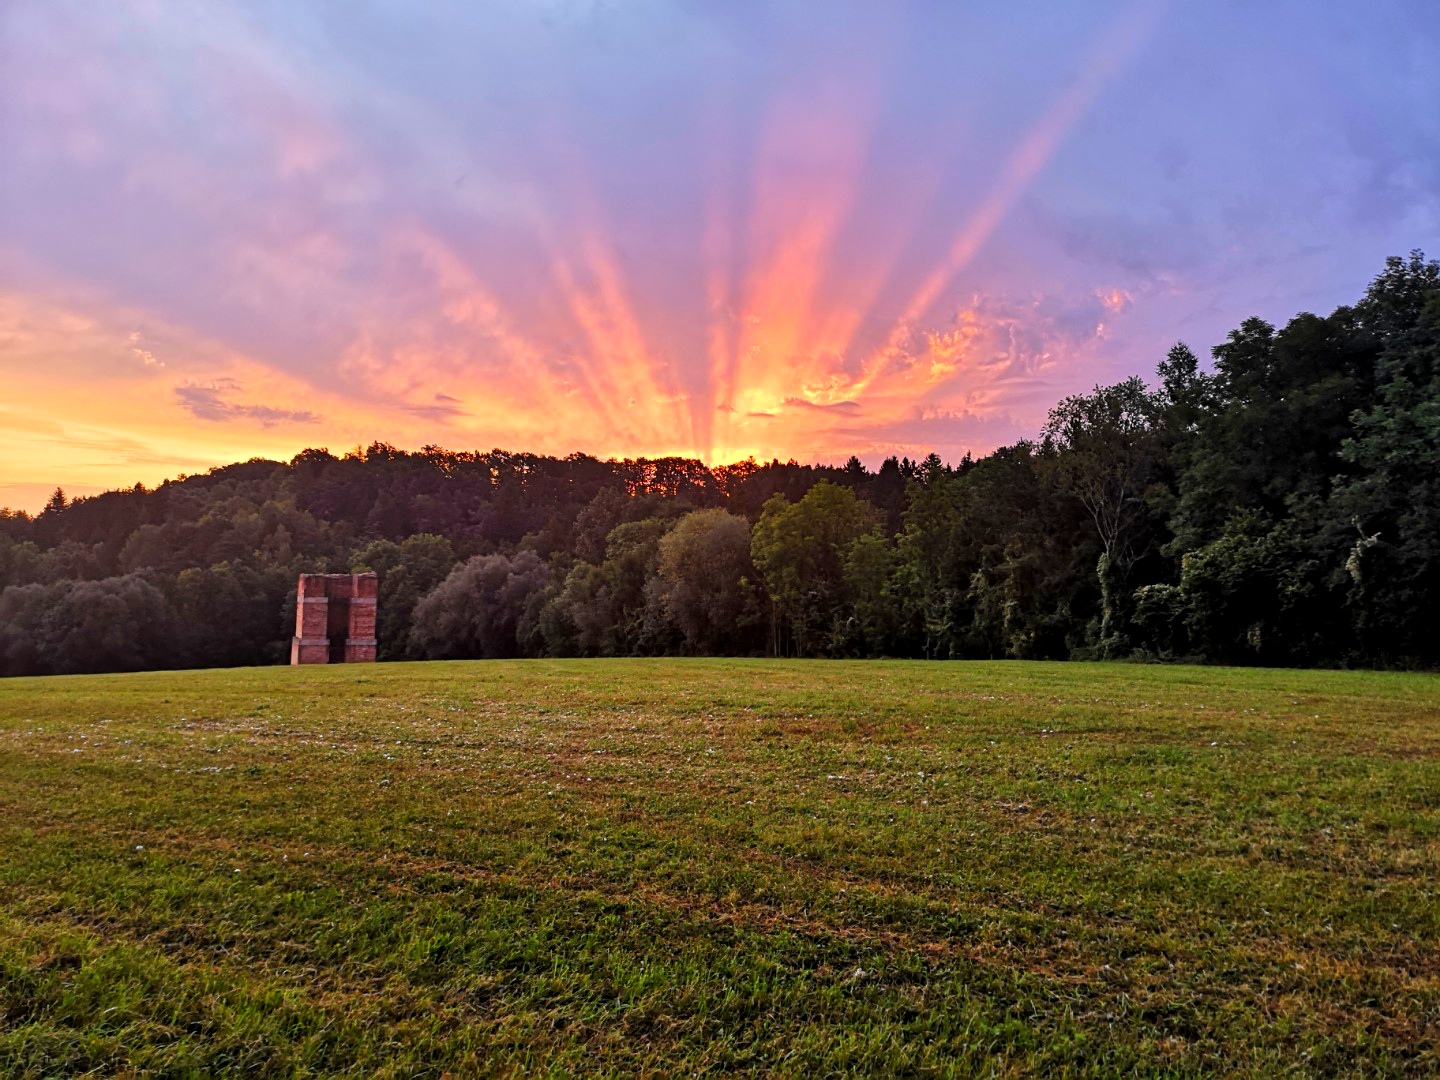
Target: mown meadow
{"type": "Point", "coordinates": [639, 867]}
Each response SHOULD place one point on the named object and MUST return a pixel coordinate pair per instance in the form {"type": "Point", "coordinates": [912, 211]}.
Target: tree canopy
{"type": "Point", "coordinates": [1281, 506]}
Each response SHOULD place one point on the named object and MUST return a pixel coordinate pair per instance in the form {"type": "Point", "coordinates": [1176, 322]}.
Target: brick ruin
{"type": "Point", "coordinates": [334, 619]}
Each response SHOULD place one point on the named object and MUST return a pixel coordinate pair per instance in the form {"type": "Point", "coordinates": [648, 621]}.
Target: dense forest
{"type": "Point", "coordinates": [1279, 506]}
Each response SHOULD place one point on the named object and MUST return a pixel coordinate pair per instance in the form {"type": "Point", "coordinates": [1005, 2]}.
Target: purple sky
{"type": "Point", "coordinates": [714, 229]}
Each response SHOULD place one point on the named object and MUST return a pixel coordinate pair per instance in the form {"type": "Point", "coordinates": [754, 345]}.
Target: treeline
{"type": "Point", "coordinates": [1281, 508]}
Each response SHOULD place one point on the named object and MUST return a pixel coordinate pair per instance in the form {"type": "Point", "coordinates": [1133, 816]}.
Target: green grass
{"type": "Point", "coordinates": [656, 867]}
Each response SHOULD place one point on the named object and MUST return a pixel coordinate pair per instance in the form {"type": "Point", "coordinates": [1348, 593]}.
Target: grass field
{"type": "Point", "coordinates": [633, 867]}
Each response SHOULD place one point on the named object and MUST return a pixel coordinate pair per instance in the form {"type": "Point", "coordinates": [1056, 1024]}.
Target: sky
{"type": "Point", "coordinates": [803, 230]}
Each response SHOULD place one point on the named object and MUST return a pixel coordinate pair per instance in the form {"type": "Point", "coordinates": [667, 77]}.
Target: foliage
{"type": "Point", "coordinates": [477, 611]}
{"type": "Point", "coordinates": [704, 581]}
{"type": "Point", "coordinates": [1281, 507]}
{"type": "Point", "coordinates": [408, 572]}
{"type": "Point", "coordinates": [611, 609]}
{"type": "Point", "coordinates": [1107, 451]}
{"type": "Point", "coordinates": [1392, 497]}
{"type": "Point", "coordinates": [800, 550]}
{"type": "Point", "coordinates": [116, 624]}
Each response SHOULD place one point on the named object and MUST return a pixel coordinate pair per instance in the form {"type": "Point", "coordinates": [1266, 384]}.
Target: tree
{"type": "Point", "coordinates": [251, 602]}
{"type": "Point", "coordinates": [931, 580]}
{"type": "Point", "coordinates": [800, 550]}
{"type": "Point", "coordinates": [15, 525]}
{"type": "Point", "coordinates": [408, 572]}
{"type": "Point", "coordinates": [118, 624]}
{"type": "Point", "coordinates": [872, 627]}
{"type": "Point", "coordinates": [476, 612]}
{"type": "Point", "coordinates": [1106, 455]}
{"type": "Point", "coordinates": [1255, 595]}
{"type": "Point", "coordinates": [705, 580]}
{"type": "Point", "coordinates": [20, 562]}
{"type": "Point", "coordinates": [1392, 499]}
{"type": "Point", "coordinates": [611, 609]}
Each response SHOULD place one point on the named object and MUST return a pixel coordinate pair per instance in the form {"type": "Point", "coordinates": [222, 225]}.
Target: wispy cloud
{"type": "Point", "coordinates": [144, 355]}
{"type": "Point", "coordinates": [816, 406]}
{"type": "Point", "coordinates": [212, 401]}
{"type": "Point", "coordinates": [437, 413]}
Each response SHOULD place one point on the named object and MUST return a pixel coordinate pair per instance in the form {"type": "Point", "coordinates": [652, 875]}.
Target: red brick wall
{"type": "Point", "coordinates": [334, 618]}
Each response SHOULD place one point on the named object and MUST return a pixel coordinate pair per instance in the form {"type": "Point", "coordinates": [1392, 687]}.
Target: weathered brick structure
{"type": "Point", "coordinates": [334, 619]}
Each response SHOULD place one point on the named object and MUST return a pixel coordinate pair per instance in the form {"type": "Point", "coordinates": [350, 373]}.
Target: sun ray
{"type": "Point", "coordinates": [620, 364]}
{"type": "Point", "coordinates": [721, 250]}
{"type": "Point", "coordinates": [806, 180]}
{"type": "Point", "coordinates": [1116, 43]}
{"type": "Point", "coordinates": [469, 303]}
{"type": "Point", "coordinates": [616, 362]}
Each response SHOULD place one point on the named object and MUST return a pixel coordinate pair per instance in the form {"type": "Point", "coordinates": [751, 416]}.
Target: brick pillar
{"type": "Point", "coordinates": [311, 644]}
{"type": "Point", "coordinates": [360, 636]}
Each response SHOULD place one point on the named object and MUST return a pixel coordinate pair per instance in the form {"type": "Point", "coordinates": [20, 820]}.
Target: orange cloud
{"type": "Point", "coordinates": [507, 308]}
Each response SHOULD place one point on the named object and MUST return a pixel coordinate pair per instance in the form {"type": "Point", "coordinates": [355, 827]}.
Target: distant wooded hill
{"type": "Point", "coordinates": [1281, 508]}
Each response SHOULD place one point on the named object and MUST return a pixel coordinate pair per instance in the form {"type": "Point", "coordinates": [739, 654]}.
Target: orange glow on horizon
{"type": "Point", "coordinates": [802, 349]}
